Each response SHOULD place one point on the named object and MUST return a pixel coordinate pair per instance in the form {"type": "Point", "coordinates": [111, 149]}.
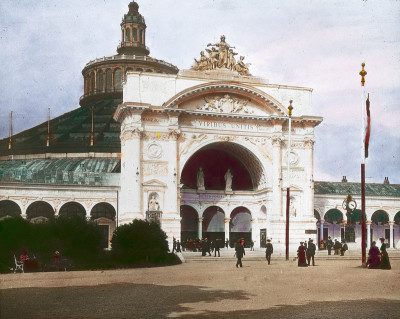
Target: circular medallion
{"type": "Point", "coordinates": [154, 150]}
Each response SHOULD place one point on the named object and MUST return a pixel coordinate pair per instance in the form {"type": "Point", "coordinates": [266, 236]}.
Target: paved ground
{"type": "Point", "coordinates": [209, 287]}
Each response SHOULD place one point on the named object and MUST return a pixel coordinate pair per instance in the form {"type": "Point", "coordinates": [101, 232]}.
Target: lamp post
{"type": "Point", "coordinates": [290, 108]}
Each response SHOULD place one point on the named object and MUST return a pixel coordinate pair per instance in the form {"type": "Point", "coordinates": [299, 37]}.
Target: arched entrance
{"type": "Point", "coordinates": [72, 209]}
{"type": "Point", "coordinates": [189, 223]}
{"type": "Point", "coordinates": [40, 210]}
{"type": "Point", "coordinates": [380, 226]}
{"type": "Point", "coordinates": [205, 179]}
{"type": "Point", "coordinates": [215, 159]}
{"type": "Point", "coordinates": [213, 224]}
{"type": "Point", "coordinates": [104, 216]}
{"type": "Point", "coordinates": [240, 226]}
{"type": "Point", "coordinates": [9, 208]}
{"type": "Point", "coordinates": [334, 218]}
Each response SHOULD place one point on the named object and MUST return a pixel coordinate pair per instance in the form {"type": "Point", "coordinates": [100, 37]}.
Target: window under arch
{"type": "Point", "coordinates": [40, 209]}
{"type": "Point", "coordinates": [104, 210]}
{"type": "Point", "coordinates": [117, 79]}
{"type": "Point", "coordinates": [100, 80]}
{"type": "Point", "coordinates": [108, 79]}
{"type": "Point", "coordinates": [72, 209]}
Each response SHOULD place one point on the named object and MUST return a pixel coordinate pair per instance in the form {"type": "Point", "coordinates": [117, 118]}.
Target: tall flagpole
{"type": "Point", "coordinates": [363, 73]}
{"type": "Point", "coordinates": [290, 108]}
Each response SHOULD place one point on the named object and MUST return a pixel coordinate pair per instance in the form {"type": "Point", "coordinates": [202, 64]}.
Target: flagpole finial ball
{"type": "Point", "coordinates": [363, 73]}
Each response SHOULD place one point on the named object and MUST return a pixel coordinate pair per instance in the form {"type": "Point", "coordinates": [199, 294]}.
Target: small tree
{"type": "Point", "coordinates": [139, 241]}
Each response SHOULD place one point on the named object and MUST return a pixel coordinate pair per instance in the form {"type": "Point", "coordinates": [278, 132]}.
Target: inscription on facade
{"type": "Point", "coordinates": [157, 168]}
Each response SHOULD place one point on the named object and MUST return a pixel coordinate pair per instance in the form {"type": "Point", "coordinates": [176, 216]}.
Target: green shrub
{"type": "Point", "coordinates": [139, 241]}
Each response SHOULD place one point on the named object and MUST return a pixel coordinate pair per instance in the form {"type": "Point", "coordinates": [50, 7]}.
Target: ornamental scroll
{"type": "Point", "coordinates": [221, 56]}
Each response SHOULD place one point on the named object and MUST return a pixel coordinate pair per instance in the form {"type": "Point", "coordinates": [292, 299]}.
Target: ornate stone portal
{"type": "Point", "coordinates": [209, 159]}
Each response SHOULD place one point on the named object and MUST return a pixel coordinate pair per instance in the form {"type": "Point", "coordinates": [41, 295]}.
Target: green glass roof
{"type": "Point", "coordinates": [371, 189]}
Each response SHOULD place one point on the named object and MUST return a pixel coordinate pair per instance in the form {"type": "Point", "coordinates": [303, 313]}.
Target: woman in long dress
{"type": "Point", "coordinates": [385, 262]}
{"type": "Point", "coordinates": [301, 253]}
{"type": "Point", "coordinates": [373, 261]}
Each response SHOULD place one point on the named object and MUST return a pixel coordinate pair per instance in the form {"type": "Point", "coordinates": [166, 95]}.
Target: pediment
{"type": "Point", "coordinates": [154, 183]}
{"type": "Point", "coordinates": [226, 98]}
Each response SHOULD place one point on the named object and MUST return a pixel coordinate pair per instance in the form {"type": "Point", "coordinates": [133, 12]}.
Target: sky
{"type": "Point", "coordinates": [318, 44]}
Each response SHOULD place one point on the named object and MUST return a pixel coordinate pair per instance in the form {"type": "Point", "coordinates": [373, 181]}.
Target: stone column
{"type": "Point", "coordinates": [309, 179]}
{"type": "Point", "coordinates": [227, 220]}
{"type": "Point", "coordinates": [171, 205]}
{"type": "Point", "coordinates": [391, 223]}
{"type": "Point", "coordinates": [368, 223]}
{"type": "Point", "coordinates": [277, 176]}
{"type": "Point", "coordinates": [200, 231]}
{"type": "Point", "coordinates": [130, 196]}
{"type": "Point", "coordinates": [321, 231]}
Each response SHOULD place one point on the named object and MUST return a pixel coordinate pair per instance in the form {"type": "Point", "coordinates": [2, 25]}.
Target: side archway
{"type": "Point", "coordinates": [9, 208]}
{"type": "Point", "coordinates": [72, 209]}
{"type": "Point", "coordinates": [189, 223]}
{"type": "Point", "coordinates": [40, 210]}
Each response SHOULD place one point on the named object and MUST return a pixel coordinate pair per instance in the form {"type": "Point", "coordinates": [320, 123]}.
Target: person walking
{"type": "Point", "coordinates": [239, 253]}
{"type": "Point", "coordinates": [373, 261]}
{"type": "Point", "coordinates": [173, 245]}
{"type": "Point", "coordinates": [336, 246]}
{"type": "Point", "coordinates": [178, 246]}
{"type": "Point", "coordinates": [227, 243]}
{"type": "Point", "coordinates": [268, 251]}
{"type": "Point", "coordinates": [329, 245]}
{"type": "Point", "coordinates": [216, 248]}
{"type": "Point", "coordinates": [310, 252]}
{"type": "Point", "coordinates": [252, 245]}
{"type": "Point", "coordinates": [344, 248]}
{"type": "Point", "coordinates": [385, 262]}
{"type": "Point", "coordinates": [301, 254]}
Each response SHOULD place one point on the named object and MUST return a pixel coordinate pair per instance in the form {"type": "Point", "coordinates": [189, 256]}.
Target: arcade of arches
{"type": "Point", "coordinates": [378, 225]}
{"type": "Point", "coordinates": [103, 214]}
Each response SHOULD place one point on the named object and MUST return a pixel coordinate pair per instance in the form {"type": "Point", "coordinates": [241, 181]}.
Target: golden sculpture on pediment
{"type": "Point", "coordinates": [221, 56]}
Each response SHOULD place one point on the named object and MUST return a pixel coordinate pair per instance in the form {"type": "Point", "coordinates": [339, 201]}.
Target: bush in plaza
{"type": "Point", "coordinates": [76, 239]}
{"type": "Point", "coordinates": [140, 241]}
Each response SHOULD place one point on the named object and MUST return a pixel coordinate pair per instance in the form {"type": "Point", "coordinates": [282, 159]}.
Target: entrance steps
{"type": "Point", "coordinates": [259, 255]}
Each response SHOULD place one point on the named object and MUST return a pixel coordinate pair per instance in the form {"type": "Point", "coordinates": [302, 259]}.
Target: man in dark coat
{"type": "Point", "coordinates": [329, 245]}
{"type": "Point", "coordinates": [310, 252]}
{"type": "Point", "coordinates": [239, 253]}
{"type": "Point", "coordinates": [336, 246]}
{"type": "Point", "coordinates": [269, 250]}
{"type": "Point", "coordinates": [216, 248]}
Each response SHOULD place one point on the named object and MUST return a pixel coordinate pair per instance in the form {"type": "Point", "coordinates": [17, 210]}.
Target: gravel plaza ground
{"type": "Point", "coordinates": [210, 287]}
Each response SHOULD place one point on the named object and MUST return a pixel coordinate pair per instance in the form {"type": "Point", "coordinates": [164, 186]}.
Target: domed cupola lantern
{"type": "Point", "coordinates": [133, 29]}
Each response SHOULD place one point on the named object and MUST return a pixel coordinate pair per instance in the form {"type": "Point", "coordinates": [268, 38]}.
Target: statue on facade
{"type": "Point", "coordinates": [200, 179]}
{"type": "Point", "coordinates": [202, 64]}
{"type": "Point", "coordinates": [242, 67]}
{"type": "Point", "coordinates": [223, 49]}
{"type": "Point", "coordinates": [153, 203]}
{"type": "Point", "coordinates": [220, 56]}
{"type": "Point", "coordinates": [228, 180]}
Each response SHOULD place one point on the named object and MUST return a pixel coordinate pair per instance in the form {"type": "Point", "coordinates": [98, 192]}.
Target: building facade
{"type": "Point", "coordinates": [204, 152]}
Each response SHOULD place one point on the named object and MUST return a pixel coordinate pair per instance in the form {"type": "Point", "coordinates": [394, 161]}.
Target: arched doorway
{"type": "Point", "coordinates": [9, 208]}
{"type": "Point", "coordinates": [334, 218]}
{"type": "Point", "coordinates": [240, 226]}
{"type": "Point", "coordinates": [215, 159]}
{"type": "Point", "coordinates": [72, 209]}
{"type": "Point", "coordinates": [396, 230]}
{"type": "Point", "coordinates": [189, 223]}
{"type": "Point", "coordinates": [104, 216]}
{"type": "Point", "coordinates": [213, 224]}
{"type": "Point", "coordinates": [380, 226]}
{"type": "Point", "coordinates": [40, 210]}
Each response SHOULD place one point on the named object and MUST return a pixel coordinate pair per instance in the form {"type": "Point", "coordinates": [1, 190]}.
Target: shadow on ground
{"type": "Point", "coordinates": [153, 301]}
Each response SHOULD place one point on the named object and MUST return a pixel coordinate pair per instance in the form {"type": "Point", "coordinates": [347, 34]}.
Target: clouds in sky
{"type": "Point", "coordinates": [44, 45]}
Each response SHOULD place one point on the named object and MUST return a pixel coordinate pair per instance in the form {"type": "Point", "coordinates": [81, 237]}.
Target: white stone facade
{"type": "Point", "coordinates": [166, 119]}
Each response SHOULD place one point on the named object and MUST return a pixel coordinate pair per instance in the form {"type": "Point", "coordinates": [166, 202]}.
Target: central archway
{"type": "Point", "coordinates": [240, 226]}
{"type": "Point", "coordinates": [213, 224]}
